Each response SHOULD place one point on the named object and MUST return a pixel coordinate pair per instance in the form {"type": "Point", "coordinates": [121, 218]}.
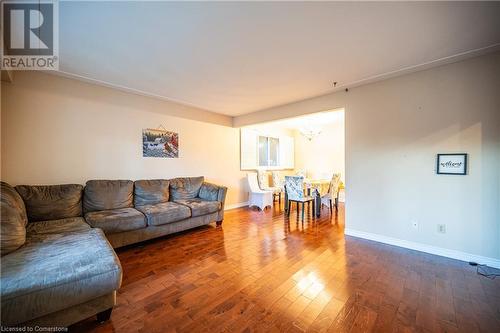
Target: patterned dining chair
{"type": "Point", "coordinates": [263, 178]}
{"type": "Point", "coordinates": [277, 185]}
{"type": "Point", "coordinates": [301, 172]}
{"type": "Point", "coordinates": [277, 180]}
{"type": "Point", "coordinates": [294, 187]}
{"type": "Point", "coordinates": [332, 194]}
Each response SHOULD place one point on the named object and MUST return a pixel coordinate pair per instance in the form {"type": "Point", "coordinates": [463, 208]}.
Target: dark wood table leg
{"type": "Point", "coordinates": [317, 203]}
{"type": "Point", "coordinates": [286, 203]}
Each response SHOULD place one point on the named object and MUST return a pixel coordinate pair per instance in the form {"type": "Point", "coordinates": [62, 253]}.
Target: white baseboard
{"type": "Point", "coordinates": [459, 255]}
{"type": "Point", "coordinates": [236, 205]}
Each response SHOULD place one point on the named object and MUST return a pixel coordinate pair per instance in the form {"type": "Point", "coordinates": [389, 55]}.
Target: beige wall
{"type": "Point", "coordinates": [324, 154]}
{"type": "Point", "coordinates": [394, 129]}
{"type": "Point", "coordinates": [57, 130]}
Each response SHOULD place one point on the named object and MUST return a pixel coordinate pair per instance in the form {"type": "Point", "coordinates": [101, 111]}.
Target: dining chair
{"type": "Point", "coordinates": [332, 194]}
{"type": "Point", "coordinates": [294, 187]}
{"type": "Point", "coordinates": [277, 185]}
{"type": "Point", "coordinates": [263, 180]}
{"type": "Point", "coordinates": [277, 180]}
{"type": "Point", "coordinates": [257, 196]}
{"type": "Point", "coordinates": [301, 172]}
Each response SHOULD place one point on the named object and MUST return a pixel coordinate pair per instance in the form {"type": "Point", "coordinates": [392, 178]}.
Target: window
{"type": "Point", "coordinates": [268, 151]}
{"type": "Point", "coordinates": [277, 150]}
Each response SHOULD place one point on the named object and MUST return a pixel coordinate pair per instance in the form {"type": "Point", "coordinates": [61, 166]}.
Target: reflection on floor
{"type": "Point", "coordinates": [264, 272]}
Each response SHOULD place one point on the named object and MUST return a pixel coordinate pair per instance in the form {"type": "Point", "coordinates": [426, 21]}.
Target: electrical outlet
{"type": "Point", "coordinates": [414, 223]}
{"type": "Point", "coordinates": [441, 228]}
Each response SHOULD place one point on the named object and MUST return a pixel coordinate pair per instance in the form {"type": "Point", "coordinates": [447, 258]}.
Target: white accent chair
{"type": "Point", "coordinates": [256, 196]}
{"type": "Point", "coordinates": [333, 192]}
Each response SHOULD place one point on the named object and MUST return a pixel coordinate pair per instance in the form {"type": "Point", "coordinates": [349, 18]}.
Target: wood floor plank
{"type": "Point", "coordinates": [265, 272]}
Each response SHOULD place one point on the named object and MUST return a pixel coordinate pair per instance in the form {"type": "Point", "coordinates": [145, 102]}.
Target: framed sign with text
{"type": "Point", "coordinates": [452, 164]}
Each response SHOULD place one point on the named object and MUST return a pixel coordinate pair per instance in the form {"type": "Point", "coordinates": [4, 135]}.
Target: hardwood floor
{"type": "Point", "coordinates": [263, 272]}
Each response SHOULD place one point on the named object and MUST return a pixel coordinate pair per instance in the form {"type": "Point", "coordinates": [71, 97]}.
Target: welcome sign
{"type": "Point", "coordinates": [452, 164]}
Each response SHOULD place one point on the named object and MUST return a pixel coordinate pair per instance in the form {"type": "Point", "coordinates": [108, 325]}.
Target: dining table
{"type": "Point", "coordinates": [316, 188]}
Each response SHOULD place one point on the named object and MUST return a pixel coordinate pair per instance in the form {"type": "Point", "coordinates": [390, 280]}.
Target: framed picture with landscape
{"type": "Point", "coordinates": [160, 143]}
{"type": "Point", "coordinates": [452, 164]}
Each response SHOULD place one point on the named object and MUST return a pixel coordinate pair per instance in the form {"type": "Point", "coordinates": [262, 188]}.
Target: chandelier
{"type": "Point", "coordinates": [310, 133]}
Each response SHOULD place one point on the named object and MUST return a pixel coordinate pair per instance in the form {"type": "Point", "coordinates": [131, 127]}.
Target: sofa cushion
{"type": "Point", "coordinates": [52, 202]}
{"type": "Point", "coordinates": [13, 219]}
{"type": "Point", "coordinates": [185, 188]}
{"type": "Point", "coordinates": [116, 220]}
{"type": "Point", "coordinates": [56, 271]}
{"type": "Point", "coordinates": [150, 192]}
{"type": "Point", "coordinates": [164, 213]}
{"type": "Point", "coordinates": [72, 224]}
{"type": "Point", "coordinates": [209, 192]}
{"type": "Point", "coordinates": [200, 207]}
{"type": "Point", "coordinates": [107, 194]}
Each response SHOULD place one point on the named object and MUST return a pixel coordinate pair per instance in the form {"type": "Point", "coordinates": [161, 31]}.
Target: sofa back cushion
{"type": "Point", "coordinates": [52, 202]}
{"type": "Point", "coordinates": [13, 219]}
{"type": "Point", "coordinates": [185, 188]}
{"type": "Point", "coordinates": [107, 194]}
{"type": "Point", "coordinates": [151, 192]}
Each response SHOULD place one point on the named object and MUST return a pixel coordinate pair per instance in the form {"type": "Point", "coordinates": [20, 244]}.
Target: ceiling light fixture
{"type": "Point", "coordinates": [310, 133]}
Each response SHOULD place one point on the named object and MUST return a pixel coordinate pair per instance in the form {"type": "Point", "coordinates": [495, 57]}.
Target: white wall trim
{"type": "Point", "coordinates": [129, 90]}
{"type": "Point", "coordinates": [201, 113]}
{"type": "Point", "coordinates": [236, 205]}
{"type": "Point", "coordinates": [459, 255]}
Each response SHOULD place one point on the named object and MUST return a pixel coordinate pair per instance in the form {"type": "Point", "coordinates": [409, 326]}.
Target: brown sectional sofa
{"type": "Point", "coordinates": [130, 212]}
{"type": "Point", "coordinates": [60, 267]}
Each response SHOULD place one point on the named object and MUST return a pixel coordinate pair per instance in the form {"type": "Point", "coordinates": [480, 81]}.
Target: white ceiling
{"type": "Point", "coordinates": [235, 58]}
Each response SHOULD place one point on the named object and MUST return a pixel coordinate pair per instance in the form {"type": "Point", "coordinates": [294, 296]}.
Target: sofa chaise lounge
{"type": "Point", "coordinates": [55, 269]}
{"type": "Point", "coordinates": [58, 265]}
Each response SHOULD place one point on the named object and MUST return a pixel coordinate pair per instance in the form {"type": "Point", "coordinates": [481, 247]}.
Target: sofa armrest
{"type": "Point", "coordinates": [214, 192]}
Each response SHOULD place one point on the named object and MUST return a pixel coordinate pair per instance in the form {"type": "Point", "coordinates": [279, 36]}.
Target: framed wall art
{"type": "Point", "coordinates": [452, 164]}
{"type": "Point", "coordinates": [160, 143]}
